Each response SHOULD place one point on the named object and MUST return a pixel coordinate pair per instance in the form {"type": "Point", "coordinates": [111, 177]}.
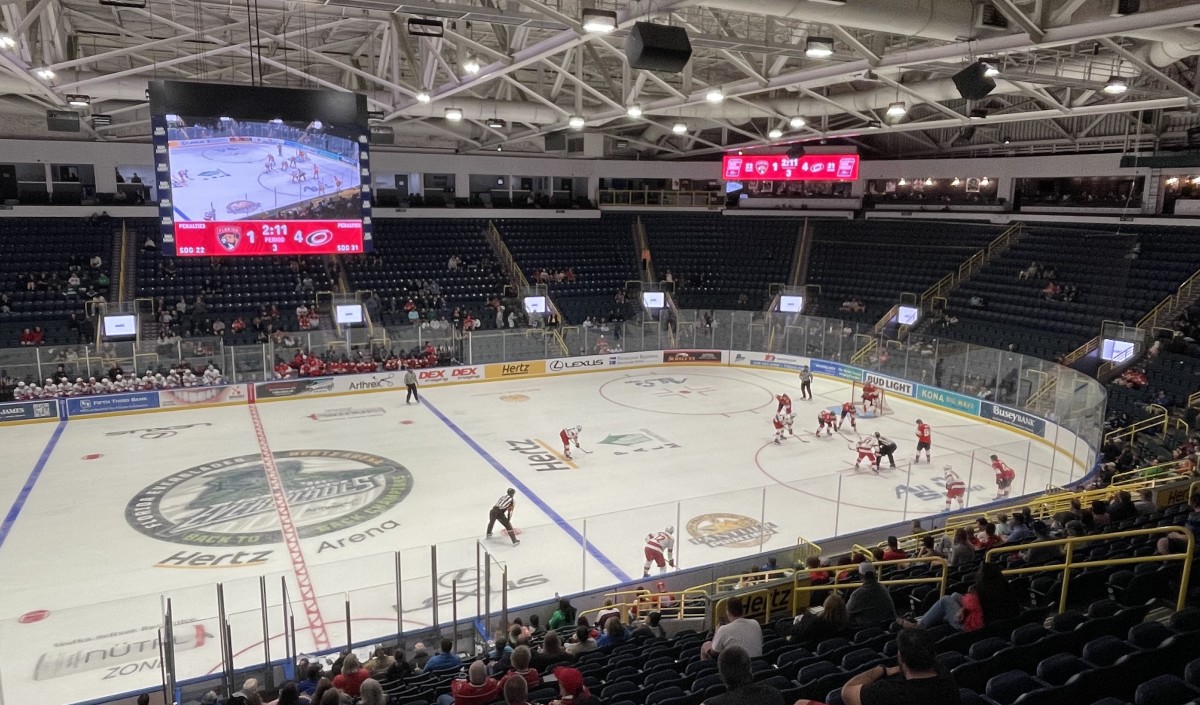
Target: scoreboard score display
{"type": "Point", "coordinates": [781, 167]}
{"type": "Point", "coordinates": [245, 171]}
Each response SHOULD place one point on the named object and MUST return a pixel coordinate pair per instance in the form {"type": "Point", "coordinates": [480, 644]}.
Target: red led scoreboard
{"type": "Point", "coordinates": [261, 237]}
{"type": "Point", "coordinates": [780, 167]}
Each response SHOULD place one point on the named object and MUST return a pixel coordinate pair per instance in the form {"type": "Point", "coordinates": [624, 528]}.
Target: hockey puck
{"type": "Point", "coordinates": [93, 456]}
{"type": "Point", "coordinates": [34, 616]}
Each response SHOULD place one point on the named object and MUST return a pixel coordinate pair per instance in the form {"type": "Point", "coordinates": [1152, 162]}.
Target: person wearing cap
{"type": "Point", "coordinates": [871, 604]}
{"type": "Point", "coordinates": [502, 512]}
{"type": "Point", "coordinates": [571, 690]}
{"type": "Point", "coordinates": [248, 695]}
{"type": "Point", "coordinates": [477, 688]}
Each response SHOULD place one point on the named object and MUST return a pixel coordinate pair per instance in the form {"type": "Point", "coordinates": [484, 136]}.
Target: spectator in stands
{"type": "Point", "coordinates": [1017, 531]}
{"type": "Point", "coordinates": [608, 612]}
{"type": "Point", "coordinates": [550, 653]}
{"type": "Point", "coordinates": [1176, 542]}
{"type": "Point", "coordinates": [990, 599]}
{"type": "Point", "coordinates": [1037, 553]}
{"type": "Point", "coordinates": [615, 633]}
{"type": "Point", "coordinates": [248, 695]}
{"type": "Point", "coordinates": [445, 659]}
{"type": "Point", "coordinates": [810, 629]}
{"type": "Point", "coordinates": [737, 631]}
{"type": "Point", "coordinates": [582, 643]}
{"type": "Point", "coordinates": [871, 604]}
{"type": "Point", "coordinates": [1029, 272]}
{"type": "Point", "coordinates": [351, 678]}
{"type": "Point", "coordinates": [893, 552]}
{"type": "Point", "coordinates": [521, 657]}
{"type": "Point", "coordinates": [312, 677]}
{"type": "Point", "coordinates": [919, 682]}
{"type": "Point", "coordinates": [476, 688]}
{"type": "Point", "coordinates": [371, 693]}
{"type": "Point", "coordinates": [516, 692]}
{"type": "Point", "coordinates": [652, 627]}
{"type": "Point", "coordinates": [738, 677]}
{"type": "Point", "coordinates": [1121, 508]}
{"type": "Point", "coordinates": [1145, 503]}
{"type": "Point", "coordinates": [928, 549]}
{"type": "Point", "coordinates": [323, 686]}
{"type": "Point", "coordinates": [571, 688]}
{"type": "Point", "coordinates": [564, 615]}
{"type": "Point", "coordinates": [1099, 510]}
{"type": "Point", "coordinates": [988, 539]}
{"type": "Point", "coordinates": [289, 694]}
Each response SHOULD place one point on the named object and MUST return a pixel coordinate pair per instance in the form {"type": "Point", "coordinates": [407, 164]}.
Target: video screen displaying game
{"type": "Point", "coordinates": [260, 171]}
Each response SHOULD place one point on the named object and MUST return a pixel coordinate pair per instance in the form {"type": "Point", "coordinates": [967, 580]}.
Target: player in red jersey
{"type": "Point", "coordinates": [866, 451]}
{"type": "Point", "coordinates": [923, 438]}
{"type": "Point", "coordinates": [955, 487]}
{"type": "Point", "coordinates": [569, 435]}
{"type": "Point", "coordinates": [870, 396]}
{"type": "Point", "coordinates": [657, 544]}
{"type": "Point", "coordinates": [848, 409]}
{"type": "Point", "coordinates": [785, 404]}
{"type": "Point", "coordinates": [1004, 477]}
{"type": "Point", "coordinates": [826, 420]}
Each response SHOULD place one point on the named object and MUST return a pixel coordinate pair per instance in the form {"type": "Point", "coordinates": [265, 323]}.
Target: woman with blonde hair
{"type": "Point", "coordinates": [832, 621]}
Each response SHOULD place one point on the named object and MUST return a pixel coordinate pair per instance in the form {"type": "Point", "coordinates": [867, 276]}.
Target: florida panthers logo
{"type": "Point", "coordinates": [228, 236]}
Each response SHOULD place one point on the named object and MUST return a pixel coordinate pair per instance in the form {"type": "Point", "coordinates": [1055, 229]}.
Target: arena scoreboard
{"type": "Point", "coordinates": [781, 167]}
{"type": "Point", "coordinates": [246, 171]}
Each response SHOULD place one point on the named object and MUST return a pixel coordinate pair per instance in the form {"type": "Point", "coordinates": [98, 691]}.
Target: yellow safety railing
{"type": "Point", "coordinates": [801, 587]}
{"type": "Point", "coordinates": [624, 601]}
{"type": "Point", "coordinates": [1154, 475]}
{"type": "Point", "coordinates": [1194, 399]}
{"type": "Point", "coordinates": [805, 549]}
{"type": "Point", "coordinates": [970, 266]}
{"type": "Point", "coordinates": [681, 604]}
{"type": "Point", "coordinates": [1184, 296]}
{"type": "Point", "coordinates": [1081, 351]}
{"type": "Point", "coordinates": [726, 583]}
{"type": "Point", "coordinates": [1155, 424]}
{"type": "Point", "coordinates": [864, 352]}
{"type": "Point", "coordinates": [1069, 563]}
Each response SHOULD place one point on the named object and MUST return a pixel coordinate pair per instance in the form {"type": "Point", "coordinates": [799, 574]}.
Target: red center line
{"type": "Point", "coordinates": [312, 610]}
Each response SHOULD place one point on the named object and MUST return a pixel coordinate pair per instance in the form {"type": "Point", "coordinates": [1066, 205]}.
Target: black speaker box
{"type": "Point", "coordinates": [971, 82]}
{"type": "Point", "coordinates": [658, 47]}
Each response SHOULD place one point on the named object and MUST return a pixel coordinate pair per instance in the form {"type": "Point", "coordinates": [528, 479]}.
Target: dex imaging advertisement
{"type": "Point", "coordinates": [260, 171]}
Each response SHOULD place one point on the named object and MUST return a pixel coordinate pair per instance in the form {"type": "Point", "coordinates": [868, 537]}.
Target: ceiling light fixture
{"type": "Point", "coordinates": [956, 182]}
{"type": "Point", "coordinates": [78, 101]}
{"type": "Point", "coordinates": [599, 21]}
{"type": "Point", "coordinates": [421, 27]}
{"type": "Point", "coordinates": [471, 65]}
{"type": "Point", "coordinates": [454, 114]}
{"type": "Point", "coordinates": [897, 110]}
{"type": "Point", "coordinates": [775, 133]}
{"type": "Point", "coordinates": [45, 74]}
{"type": "Point", "coordinates": [978, 113]}
{"type": "Point", "coordinates": [818, 47]}
{"type": "Point", "coordinates": [714, 96]}
{"type": "Point", "coordinates": [424, 97]}
{"type": "Point", "coordinates": [990, 68]}
{"type": "Point", "coordinates": [7, 42]}
{"type": "Point", "coordinates": [495, 123]}
{"type": "Point", "coordinates": [1116, 86]}
{"type": "Point", "coordinates": [1172, 181]}
{"type": "Point", "coordinates": [576, 122]}
{"type": "Point", "coordinates": [797, 122]}
{"type": "Point", "coordinates": [985, 181]}
{"type": "Point", "coordinates": [679, 128]}
{"type": "Point", "coordinates": [634, 111]}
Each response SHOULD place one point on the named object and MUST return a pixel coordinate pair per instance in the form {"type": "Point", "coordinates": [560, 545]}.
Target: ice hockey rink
{"type": "Point", "coordinates": [232, 179]}
{"type": "Point", "coordinates": [112, 514]}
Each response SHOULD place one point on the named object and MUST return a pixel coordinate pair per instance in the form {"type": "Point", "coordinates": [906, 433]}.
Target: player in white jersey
{"type": "Point", "coordinates": [657, 544]}
{"type": "Point", "coordinates": [955, 487]}
{"type": "Point", "coordinates": [866, 451]}
{"type": "Point", "coordinates": [21, 392]}
{"type": "Point", "coordinates": [212, 375]}
{"type": "Point", "coordinates": [783, 425]}
{"type": "Point", "coordinates": [189, 378]}
{"type": "Point", "coordinates": [569, 436]}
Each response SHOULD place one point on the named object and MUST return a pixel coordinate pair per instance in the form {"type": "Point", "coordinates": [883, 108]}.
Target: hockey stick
{"type": "Point", "coordinates": [585, 450]}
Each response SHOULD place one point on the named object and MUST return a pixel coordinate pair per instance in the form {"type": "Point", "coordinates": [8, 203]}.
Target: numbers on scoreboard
{"type": "Point", "coordinates": [199, 250]}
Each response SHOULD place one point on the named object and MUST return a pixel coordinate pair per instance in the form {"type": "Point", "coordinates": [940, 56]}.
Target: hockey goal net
{"type": "Point", "coordinates": [881, 404]}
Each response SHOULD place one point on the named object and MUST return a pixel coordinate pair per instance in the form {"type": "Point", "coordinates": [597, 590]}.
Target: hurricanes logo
{"type": "Point", "coordinates": [229, 502]}
{"type": "Point", "coordinates": [729, 531]}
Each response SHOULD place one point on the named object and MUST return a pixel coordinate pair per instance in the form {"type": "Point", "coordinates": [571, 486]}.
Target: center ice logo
{"type": "Point", "coordinates": [229, 502]}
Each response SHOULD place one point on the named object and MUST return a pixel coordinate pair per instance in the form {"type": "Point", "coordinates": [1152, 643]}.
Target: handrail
{"type": "Point", "coordinates": [1193, 399]}
{"type": "Point", "coordinates": [805, 549]}
{"type": "Point", "coordinates": [689, 603]}
{"type": "Point", "coordinates": [1081, 351]}
{"type": "Point", "coordinates": [1159, 474]}
{"type": "Point", "coordinates": [1069, 563]}
{"type": "Point", "coordinates": [863, 352]}
{"type": "Point", "coordinates": [618, 604]}
{"type": "Point", "coordinates": [941, 580]}
{"type": "Point", "coordinates": [726, 583]}
{"type": "Point", "coordinates": [1185, 294]}
{"type": "Point", "coordinates": [1150, 422]}
{"type": "Point", "coordinates": [972, 264]}
{"type": "Point", "coordinates": [121, 275]}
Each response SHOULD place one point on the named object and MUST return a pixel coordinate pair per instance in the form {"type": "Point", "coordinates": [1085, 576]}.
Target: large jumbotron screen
{"type": "Point", "coordinates": [260, 171]}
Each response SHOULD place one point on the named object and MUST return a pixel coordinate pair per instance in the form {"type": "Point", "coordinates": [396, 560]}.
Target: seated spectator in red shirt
{"type": "Point", "coordinates": [26, 337]}
{"type": "Point", "coordinates": [520, 668]}
{"type": "Point", "coordinates": [350, 680]}
{"type": "Point", "coordinates": [988, 539]}
{"type": "Point", "coordinates": [39, 336]}
{"type": "Point", "coordinates": [478, 688]}
{"type": "Point", "coordinates": [893, 552]}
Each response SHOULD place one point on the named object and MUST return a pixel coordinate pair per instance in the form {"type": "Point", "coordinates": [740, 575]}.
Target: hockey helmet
{"type": "Point", "coordinates": [578, 429]}
{"type": "Point", "coordinates": [918, 420]}
{"type": "Point", "coordinates": [946, 469]}
{"type": "Point", "coordinates": [670, 529]}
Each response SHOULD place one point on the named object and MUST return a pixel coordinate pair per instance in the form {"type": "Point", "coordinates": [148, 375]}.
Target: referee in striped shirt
{"type": "Point", "coordinates": [502, 512]}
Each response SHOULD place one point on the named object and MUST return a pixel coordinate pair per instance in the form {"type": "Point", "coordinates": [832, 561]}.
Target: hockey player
{"type": "Point", "coordinates": [848, 409]}
{"type": "Point", "coordinates": [22, 392]}
{"type": "Point", "coordinates": [826, 420]}
{"type": "Point", "coordinates": [886, 447]}
{"type": "Point", "coordinates": [785, 404]}
{"type": "Point", "coordinates": [866, 451]}
{"type": "Point", "coordinates": [923, 438]}
{"type": "Point", "coordinates": [1004, 477]}
{"type": "Point", "coordinates": [955, 487]}
{"type": "Point", "coordinates": [870, 396]}
{"type": "Point", "coordinates": [658, 544]}
{"type": "Point", "coordinates": [779, 422]}
{"type": "Point", "coordinates": [569, 435]}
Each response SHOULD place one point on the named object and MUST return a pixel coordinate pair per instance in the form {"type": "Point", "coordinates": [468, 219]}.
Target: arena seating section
{"type": "Point", "coordinates": [408, 250]}
{"type": "Point", "coordinates": [600, 251]}
{"type": "Point", "coordinates": [36, 245]}
{"type": "Point", "coordinates": [875, 261]}
{"type": "Point", "coordinates": [1103, 646]}
{"type": "Point", "coordinates": [733, 255]}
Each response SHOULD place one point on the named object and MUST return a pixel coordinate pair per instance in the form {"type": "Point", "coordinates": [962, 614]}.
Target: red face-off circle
{"type": "Point", "coordinates": [34, 616]}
